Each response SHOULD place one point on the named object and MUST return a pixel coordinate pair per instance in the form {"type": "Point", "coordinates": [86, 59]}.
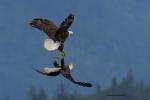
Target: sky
{"type": "Point", "coordinates": [110, 37]}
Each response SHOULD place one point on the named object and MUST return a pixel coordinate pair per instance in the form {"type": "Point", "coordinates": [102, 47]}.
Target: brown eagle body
{"type": "Point", "coordinates": [59, 34]}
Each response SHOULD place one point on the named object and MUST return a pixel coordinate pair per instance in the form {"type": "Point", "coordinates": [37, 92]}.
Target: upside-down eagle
{"type": "Point", "coordinates": [56, 35]}
{"type": "Point", "coordinates": [63, 70]}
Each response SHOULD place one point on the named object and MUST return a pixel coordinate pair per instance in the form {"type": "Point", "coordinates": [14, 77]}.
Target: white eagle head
{"type": "Point", "coordinates": [70, 33]}
{"type": "Point", "coordinates": [70, 66]}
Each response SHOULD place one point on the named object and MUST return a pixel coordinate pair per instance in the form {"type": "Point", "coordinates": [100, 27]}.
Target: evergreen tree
{"type": "Point", "coordinates": [32, 94]}
{"type": "Point", "coordinates": [99, 94]}
{"type": "Point", "coordinates": [128, 81]}
{"type": "Point", "coordinates": [130, 90]}
{"type": "Point", "coordinates": [42, 95]}
{"type": "Point", "coordinates": [139, 91]}
{"type": "Point", "coordinates": [6, 98]}
{"type": "Point", "coordinates": [61, 93]}
{"type": "Point", "coordinates": [74, 96]}
{"type": "Point", "coordinates": [127, 86]}
{"type": "Point", "coordinates": [114, 84]}
{"type": "Point", "coordinates": [147, 93]}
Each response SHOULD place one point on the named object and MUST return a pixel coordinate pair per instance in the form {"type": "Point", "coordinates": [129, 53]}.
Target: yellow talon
{"type": "Point", "coordinates": [63, 54]}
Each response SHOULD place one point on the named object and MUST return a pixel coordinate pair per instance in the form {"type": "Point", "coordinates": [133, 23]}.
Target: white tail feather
{"type": "Point", "coordinates": [50, 45]}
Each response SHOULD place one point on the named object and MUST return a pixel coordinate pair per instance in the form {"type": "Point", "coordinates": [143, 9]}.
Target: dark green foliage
{"type": "Point", "coordinates": [6, 98]}
{"type": "Point", "coordinates": [40, 95]}
{"type": "Point", "coordinates": [32, 94]}
{"type": "Point", "coordinates": [61, 93]}
{"type": "Point", "coordinates": [127, 89]}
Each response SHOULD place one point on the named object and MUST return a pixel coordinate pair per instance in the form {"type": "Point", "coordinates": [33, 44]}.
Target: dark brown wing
{"type": "Point", "coordinates": [45, 25]}
{"type": "Point", "coordinates": [69, 77]}
{"type": "Point", "coordinates": [63, 29]}
{"type": "Point", "coordinates": [67, 23]}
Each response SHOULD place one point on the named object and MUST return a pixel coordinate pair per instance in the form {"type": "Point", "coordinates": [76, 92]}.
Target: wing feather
{"type": "Point", "coordinates": [64, 26]}
{"type": "Point", "coordinates": [67, 22]}
{"type": "Point", "coordinates": [45, 25]}
{"type": "Point", "coordinates": [48, 71]}
{"type": "Point", "coordinates": [69, 77]}
{"type": "Point", "coordinates": [41, 72]}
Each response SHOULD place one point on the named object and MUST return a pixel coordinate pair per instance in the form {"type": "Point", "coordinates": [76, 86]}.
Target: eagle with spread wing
{"type": "Point", "coordinates": [63, 70]}
{"type": "Point", "coordinates": [56, 35]}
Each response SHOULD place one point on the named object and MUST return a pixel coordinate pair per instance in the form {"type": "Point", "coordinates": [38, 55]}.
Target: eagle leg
{"type": "Point", "coordinates": [61, 49]}
{"type": "Point", "coordinates": [55, 63]}
{"type": "Point", "coordinates": [63, 53]}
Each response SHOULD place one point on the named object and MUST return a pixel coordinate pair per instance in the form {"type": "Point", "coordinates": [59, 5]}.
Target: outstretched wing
{"type": "Point", "coordinates": [64, 26]}
{"type": "Point", "coordinates": [41, 72]}
{"type": "Point", "coordinates": [67, 23]}
{"type": "Point", "coordinates": [69, 77]}
{"type": "Point", "coordinates": [49, 71]}
{"type": "Point", "coordinates": [45, 25]}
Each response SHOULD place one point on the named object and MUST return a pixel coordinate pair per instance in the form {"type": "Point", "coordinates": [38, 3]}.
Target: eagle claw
{"type": "Point", "coordinates": [63, 54]}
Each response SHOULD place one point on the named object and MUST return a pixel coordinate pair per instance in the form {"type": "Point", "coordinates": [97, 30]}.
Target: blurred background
{"type": "Point", "coordinates": [110, 48]}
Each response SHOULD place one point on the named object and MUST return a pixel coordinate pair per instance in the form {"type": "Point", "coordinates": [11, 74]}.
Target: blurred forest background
{"type": "Point", "coordinates": [110, 37]}
{"type": "Point", "coordinates": [127, 89]}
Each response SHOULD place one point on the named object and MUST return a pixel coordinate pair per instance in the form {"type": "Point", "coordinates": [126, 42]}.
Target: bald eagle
{"type": "Point", "coordinates": [56, 35]}
{"type": "Point", "coordinates": [63, 70]}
